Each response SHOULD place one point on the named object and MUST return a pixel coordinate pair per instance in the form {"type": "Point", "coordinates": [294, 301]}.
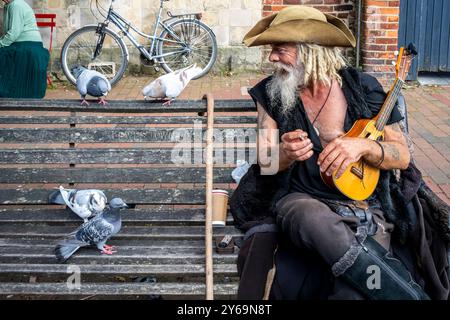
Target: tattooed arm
{"type": "Point", "coordinates": [343, 151]}
{"type": "Point", "coordinates": [396, 153]}
{"type": "Point", "coordinates": [271, 156]}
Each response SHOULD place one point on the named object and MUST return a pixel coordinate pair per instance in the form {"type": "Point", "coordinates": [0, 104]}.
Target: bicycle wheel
{"type": "Point", "coordinates": [196, 43]}
{"type": "Point", "coordinates": [80, 48]}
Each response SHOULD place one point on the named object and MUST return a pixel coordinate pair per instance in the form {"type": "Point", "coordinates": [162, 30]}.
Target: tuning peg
{"type": "Point", "coordinates": [393, 63]}
{"type": "Point", "coordinates": [396, 53]}
{"type": "Point", "coordinates": [412, 49]}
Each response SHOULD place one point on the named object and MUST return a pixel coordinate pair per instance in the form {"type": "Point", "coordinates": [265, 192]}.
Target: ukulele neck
{"type": "Point", "coordinates": [388, 104]}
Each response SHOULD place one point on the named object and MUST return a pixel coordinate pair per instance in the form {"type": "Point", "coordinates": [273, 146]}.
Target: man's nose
{"type": "Point", "coordinates": [273, 57]}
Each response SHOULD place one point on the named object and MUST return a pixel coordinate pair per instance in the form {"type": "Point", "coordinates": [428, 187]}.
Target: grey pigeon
{"type": "Point", "coordinates": [85, 203]}
{"type": "Point", "coordinates": [95, 232]}
{"type": "Point", "coordinates": [170, 85]}
{"type": "Point", "coordinates": [91, 82]}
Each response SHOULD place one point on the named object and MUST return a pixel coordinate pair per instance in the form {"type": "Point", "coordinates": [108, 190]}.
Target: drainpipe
{"type": "Point", "coordinates": [358, 32]}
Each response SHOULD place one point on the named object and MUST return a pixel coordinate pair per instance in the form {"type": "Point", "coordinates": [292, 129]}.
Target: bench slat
{"type": "Point", "coordinates": [135, 217]}
{"type": "Point", "coordinates": [108, 175]}
{"type": "Point", "coordinates": [131, 196]}
{"type": "Point", "coordinates": [124, 120]}
{"type": "Point", "coordinates": [93, 256]}
{"type": "Point", "coordinates": [144, 232]}
{"type": "Point", "coordinates": [53, 290]}
{"type": "Point", "coordinates": [115, 241]}
{"type": "Point", "coordinates": [125, 273]}
{"type": "Point", "coordinates": [114, 156]}
{"type": "Point", "coordinates": [130, 134]}
{"type": "Point", "coordinates": [239, 105]}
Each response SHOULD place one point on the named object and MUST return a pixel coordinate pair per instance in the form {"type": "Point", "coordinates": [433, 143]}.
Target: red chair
{"type": "Point", "coordinates": [47, 20]}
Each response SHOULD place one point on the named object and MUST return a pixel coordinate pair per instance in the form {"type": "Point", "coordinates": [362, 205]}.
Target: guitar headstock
{"type": "Point", "coordinates": [404, 60]}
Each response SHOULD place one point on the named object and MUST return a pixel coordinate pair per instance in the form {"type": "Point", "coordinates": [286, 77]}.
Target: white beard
{"type": "Point", "coordinates": [284, 86]}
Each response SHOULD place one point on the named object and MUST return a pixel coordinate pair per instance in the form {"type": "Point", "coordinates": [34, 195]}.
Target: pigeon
{"type": "Point", "coordinates": [170, 85]}
{"type": "Point", "coordinates": [95, 232]}
{"type": "Point", "coordinates": [85, 203]}
{"type": "Point", "coordinates": [91, 82]}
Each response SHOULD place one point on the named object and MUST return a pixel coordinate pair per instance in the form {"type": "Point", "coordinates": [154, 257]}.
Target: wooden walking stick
{"type": "Point", "coordinates": [209, 188]}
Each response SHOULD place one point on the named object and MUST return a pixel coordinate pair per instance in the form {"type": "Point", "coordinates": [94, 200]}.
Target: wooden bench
{"type": "Point", "coordinates": [125, 149]}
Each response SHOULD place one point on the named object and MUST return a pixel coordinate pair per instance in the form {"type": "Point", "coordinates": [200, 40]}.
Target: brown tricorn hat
{"type": "Point", "coordinates": [300, 24]}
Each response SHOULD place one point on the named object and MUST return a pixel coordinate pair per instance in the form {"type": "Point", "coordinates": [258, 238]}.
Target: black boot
{"type": "Point", "coordinates": [375, 272]}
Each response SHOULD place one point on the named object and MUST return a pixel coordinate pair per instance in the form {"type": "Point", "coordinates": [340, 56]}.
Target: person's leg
{"type": "Point", "coordinates": [309, 223]}
{"type": "Point", "coordinates": [354, 257]}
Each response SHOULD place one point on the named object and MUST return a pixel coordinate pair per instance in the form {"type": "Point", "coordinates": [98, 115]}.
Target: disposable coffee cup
{"type": "Point", "coordinates": [219, 207]}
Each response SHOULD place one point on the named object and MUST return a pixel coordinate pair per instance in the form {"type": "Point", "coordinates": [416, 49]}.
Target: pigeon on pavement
{"type": "Point", "coordinates": [95, 232]}
{"type": "Point", "coordinates": [170, 85]}
{"type": "Point", "coordinates": [91, 82]}
{"type": "Point", "coordinates": [85, 203]}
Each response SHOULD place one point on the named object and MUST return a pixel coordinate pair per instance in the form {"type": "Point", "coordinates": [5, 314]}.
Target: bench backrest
{"type": "Point", "coordinates": [128, 149]}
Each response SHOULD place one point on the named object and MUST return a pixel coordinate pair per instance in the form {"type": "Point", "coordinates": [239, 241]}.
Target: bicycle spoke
{"type": "Point", "coordinates": [80, 49]}
{"type": "Point", "coordinates": [200, 41]}
{"type": "Point", "coordinates": [197, 40]}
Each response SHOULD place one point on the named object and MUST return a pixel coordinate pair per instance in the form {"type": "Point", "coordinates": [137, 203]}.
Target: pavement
{"type": "Point", "coordinates": [428, 115]}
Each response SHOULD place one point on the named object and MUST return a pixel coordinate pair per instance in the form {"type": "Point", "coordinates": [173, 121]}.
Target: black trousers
{"type": "Point", "coordinates": [310, 224]}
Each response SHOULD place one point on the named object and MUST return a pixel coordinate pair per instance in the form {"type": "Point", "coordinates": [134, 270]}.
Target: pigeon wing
{"type": "Point", "coordinates": [67, 195]}
{"type": "Point", "coordinates": [82, 82]}
{"type": "Point", "coordinates": [95, 231]}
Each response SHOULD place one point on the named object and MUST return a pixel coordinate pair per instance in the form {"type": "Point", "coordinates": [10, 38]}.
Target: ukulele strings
{"type": "Point", "coordinates": [389, 104]}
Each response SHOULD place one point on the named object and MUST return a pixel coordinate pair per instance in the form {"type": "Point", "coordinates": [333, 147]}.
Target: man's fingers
{"type": "Point", "coordinates": [329, 148]}
{"type": "Point", "coordinates": [294, 146]}
{"type": "Point", "coordinates": [335, 165]}
{"type": "Point", "coordinates": [294, 135]}
{"type": "Point", "coordinates": [342, 169]}
{"type": "Point", "coordinates": [305, 156]}
{"type": "Point", "coordinates": [299, 154]}
{"type": "Point", "coordinates": [324, 165]}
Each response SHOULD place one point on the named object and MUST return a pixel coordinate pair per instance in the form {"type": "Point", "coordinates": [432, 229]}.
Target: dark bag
{"type": "Point", "coordinates": [252, 200]}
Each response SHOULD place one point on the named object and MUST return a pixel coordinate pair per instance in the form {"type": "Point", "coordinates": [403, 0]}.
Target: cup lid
{"type": "Point", "coordinates": [220, 191]}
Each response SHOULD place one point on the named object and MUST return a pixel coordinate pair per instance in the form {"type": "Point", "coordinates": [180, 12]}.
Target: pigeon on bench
{"type": "Point", "coordinates": [92, 83]}
{"type": "Point", "coordinates": [85, 203]}
{"type": "Point", "coordinates": [95, 232]}
{"type": "Point", "coordinates": [170, 85]}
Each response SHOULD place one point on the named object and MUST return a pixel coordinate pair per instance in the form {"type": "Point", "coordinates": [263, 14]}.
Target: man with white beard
{"type": "Point", "coordinates": [312, 99]}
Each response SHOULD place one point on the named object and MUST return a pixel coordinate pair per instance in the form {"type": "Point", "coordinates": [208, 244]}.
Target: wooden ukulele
{"type": "Point", "coordinates": [360, 179]}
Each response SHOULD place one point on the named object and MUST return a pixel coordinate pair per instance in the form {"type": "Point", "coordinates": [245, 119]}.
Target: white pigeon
{"type": "Point", "coordinates": [85, 203]}
{"type": "Point", "coordinates": [171, 85]}
{"type": "Point", "coordinates": [91, 82]}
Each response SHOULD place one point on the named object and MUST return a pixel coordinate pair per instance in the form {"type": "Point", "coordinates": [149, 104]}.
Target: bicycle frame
{"type": "Point", "coordinates": [124, 25]}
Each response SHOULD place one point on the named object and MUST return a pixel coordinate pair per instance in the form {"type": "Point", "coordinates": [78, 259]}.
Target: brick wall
{"type": "Point", "coordinates": [380, 23]}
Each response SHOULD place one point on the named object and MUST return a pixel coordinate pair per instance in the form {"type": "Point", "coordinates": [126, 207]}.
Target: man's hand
{"type": "Point", "coordinates": [296, 145]}
{"type": "Point", "coordinates": [340, 153]}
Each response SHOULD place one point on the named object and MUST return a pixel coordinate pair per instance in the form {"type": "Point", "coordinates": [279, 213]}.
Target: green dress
{"type": "Point", "coordinates": [23, 59]}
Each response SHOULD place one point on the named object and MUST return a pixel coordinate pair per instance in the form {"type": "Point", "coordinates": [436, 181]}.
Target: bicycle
{"type": "Point", "coordinates": [184, 41]}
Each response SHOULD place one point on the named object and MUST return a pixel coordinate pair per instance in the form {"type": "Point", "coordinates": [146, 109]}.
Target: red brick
{"type": "Point", "coordinates": [294, 2]}
{"type": "Point", "coordinates": [386, 40]}
{"type": "Point", "coordinates": [394, 3]}
{"type": "Point", "coordinates": [390, 11]}
{"type": "Point", "coordinates": [376, 3]}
